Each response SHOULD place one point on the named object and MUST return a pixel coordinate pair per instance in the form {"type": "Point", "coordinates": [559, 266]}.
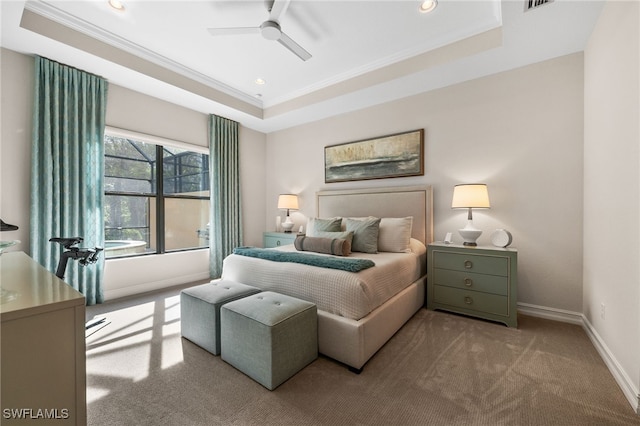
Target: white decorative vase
{"type": "Point", "coordinates": [287, 225]}
{"type": "Point", "coordinates": [470, 234]}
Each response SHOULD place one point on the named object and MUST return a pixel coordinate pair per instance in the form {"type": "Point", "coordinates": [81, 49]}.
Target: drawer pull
{"type": "Point", "coordinates": [468, 282]}
{"type": "Point", "coordinates": [278, 242]}
{"type": "Point", "coordinates": [468, 300]}
{"type": "Point", "coordinates": [468, 264]}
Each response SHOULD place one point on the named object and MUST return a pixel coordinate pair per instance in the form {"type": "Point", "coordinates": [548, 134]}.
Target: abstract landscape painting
{"type": "Point", "coordinates": [390, 156]}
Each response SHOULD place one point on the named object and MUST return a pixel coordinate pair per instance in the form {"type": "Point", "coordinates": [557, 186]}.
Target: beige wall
{"type": "Point", "coordinates": [520, 132]}
{"type": "Point", "coordinates": [612, 191]}
{"type": "Point", "coordinates": [134, 111]}
{"type": "Point", "coordinates": [129, 110]}
{"type": "Point", "coordinates": [16, 106]}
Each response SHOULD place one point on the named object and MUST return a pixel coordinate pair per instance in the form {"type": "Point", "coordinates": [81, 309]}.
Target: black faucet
{"type": "Point", "coordinates": [85, 256]}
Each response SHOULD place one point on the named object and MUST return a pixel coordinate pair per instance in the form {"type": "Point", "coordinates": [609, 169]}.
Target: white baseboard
{"type": "Point", "coordinates": [631, 392]}
{"type": "Point", "coordinates": [629, 389]}
{"type": "Point", "coordinates": [154, 285]}
{"type": "Point", "coordinates": [550, 313]}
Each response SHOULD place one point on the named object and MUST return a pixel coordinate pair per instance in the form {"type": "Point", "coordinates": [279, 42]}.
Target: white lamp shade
{"type": "Point", "coordinates": [474, 195]}
{"type": "Point", "coordinates": [288, 201]}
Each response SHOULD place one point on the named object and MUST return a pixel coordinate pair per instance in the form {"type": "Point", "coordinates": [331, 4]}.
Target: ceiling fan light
{"type": "Point", "coordinates": [428, 6]}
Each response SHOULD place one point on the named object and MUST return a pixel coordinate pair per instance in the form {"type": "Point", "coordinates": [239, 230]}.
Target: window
{"type": "Point", "coordinates": [156, 197]}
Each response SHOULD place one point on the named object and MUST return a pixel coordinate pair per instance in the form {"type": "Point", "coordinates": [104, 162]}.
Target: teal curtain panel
{"type": "Point", "coordinates": [67, 169]}
{"type": "Point", "coordinates": [226, 206]}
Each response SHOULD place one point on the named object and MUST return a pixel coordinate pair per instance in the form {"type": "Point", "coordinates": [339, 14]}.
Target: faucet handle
{"type": "Point", "coordinates": [66, 242]}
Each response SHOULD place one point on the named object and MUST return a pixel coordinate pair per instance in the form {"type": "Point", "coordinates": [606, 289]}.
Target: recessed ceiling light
{"type": "Point", "coordinates": [117, 5]}
{"type": "Point", "coordinates": [260, 81]}
{"type": "Point", "coordinates": [428, 6]}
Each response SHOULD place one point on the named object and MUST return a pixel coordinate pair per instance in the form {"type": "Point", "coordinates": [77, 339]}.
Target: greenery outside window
{"type": "Point", "coordinates": [156, 197]}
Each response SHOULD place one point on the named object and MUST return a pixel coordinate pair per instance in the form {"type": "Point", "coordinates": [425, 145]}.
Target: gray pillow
{"type": "Point", "coordinates": [315, 225]}
{"type": "Point", "coordinates": [365, 234]}
{"type": "Point", "coordinates": [335, 246]}
{"type": "Point", "coordinates": [348, 236]}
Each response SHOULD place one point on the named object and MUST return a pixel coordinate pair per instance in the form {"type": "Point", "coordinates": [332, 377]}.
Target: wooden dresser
{"type": "Point", "coordinates": [43, 371]}
{"type": "Point", "coordinates": [477, 281]}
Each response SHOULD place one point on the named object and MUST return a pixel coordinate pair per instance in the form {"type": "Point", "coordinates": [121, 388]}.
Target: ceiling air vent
{"type": "Point", "coordinates": [533, 4]}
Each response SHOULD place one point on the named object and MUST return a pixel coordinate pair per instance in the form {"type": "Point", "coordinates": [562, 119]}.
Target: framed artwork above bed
{"type": "Point", "coordinates": [397, 155]}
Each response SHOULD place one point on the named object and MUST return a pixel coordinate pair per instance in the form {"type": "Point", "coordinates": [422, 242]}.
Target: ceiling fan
{"type": "Point", "coordinates": [269, 29]}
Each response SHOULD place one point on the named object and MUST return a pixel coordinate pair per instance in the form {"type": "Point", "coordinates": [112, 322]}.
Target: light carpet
{"type": "Point", "coordinates": [439, 369]}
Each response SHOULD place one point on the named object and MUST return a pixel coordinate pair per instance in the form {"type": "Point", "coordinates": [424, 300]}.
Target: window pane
{"type": "Point", "coordinates": [129, 148]}
{"type": "Point", "coordinates": [185, 172]}
{"type": "Point", "coordinates": [128, 185]}
{"type": "Point", "coordinates": [186, 223]}
{"type": "Point", "coordinates": [129, 221]}
{"type": "Point", "coordinates": [130, 166]}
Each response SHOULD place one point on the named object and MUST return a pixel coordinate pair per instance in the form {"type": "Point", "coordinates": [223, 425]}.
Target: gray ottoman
{"type": "Point", "coordinates": [200, 310]}
{"type": "Point", "coordinates": [269, 336]}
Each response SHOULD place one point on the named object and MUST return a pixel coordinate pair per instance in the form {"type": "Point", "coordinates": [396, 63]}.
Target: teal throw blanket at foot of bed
{"type": "Point", "coordinates": [341, 263]}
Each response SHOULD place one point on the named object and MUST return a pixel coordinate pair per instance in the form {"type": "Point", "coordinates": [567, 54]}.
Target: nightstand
{"type": "Point", "coordinates": [478, 281]}
{"type": "Point", "coordinates": [276, 239]}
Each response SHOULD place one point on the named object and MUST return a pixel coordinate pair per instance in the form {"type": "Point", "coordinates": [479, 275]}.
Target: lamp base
{"type": "Point", "coordinates": [470, 234]}
{"type": "Point", "coordinates": [287, 225]}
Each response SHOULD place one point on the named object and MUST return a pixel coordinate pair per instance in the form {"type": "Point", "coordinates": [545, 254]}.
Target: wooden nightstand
{"type": "Point", "coordinates": [276, 239]}
{"type": "Point", "coordinates": [477, 281]}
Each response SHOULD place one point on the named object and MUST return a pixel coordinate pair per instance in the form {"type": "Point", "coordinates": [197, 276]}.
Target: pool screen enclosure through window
{"type": "Point", "coordinates": [154, 194]}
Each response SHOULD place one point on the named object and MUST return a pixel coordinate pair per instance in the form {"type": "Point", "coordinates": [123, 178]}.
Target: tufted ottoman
{"type": "Point", "coordinates": [200, 311]}
{"type": "Point", "coordinates": [269, 336]}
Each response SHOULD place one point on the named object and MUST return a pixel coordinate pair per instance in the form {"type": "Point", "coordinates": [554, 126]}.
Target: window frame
{"type": "Point", "coordinates": [160, 144]}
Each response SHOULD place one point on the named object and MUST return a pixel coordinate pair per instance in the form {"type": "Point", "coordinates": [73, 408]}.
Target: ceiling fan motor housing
{"type": "Point", "coordinates": [270, 30]}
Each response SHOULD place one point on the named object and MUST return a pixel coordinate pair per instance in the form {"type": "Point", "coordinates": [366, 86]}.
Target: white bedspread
{"type": "Point", "coordinates": [348, 294]}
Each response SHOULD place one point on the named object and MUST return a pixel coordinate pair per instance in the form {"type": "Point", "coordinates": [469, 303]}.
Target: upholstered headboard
{"type": "Point", "coordinates": [413, 201]}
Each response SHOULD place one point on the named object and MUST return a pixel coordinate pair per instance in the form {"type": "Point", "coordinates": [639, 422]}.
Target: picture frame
{"type": "Point", "coordinates": [391, 156]}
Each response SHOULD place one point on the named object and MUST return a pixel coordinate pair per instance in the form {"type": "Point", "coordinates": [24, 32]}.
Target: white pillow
{"type": "Point", "coordinates": [417, 247]}
{"type": "Point", "coordinates": [395, 234]}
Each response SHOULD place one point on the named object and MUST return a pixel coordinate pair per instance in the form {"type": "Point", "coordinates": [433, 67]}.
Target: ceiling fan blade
{"type": "Point", "coordinates": [278, 9]}
{"type": "Point", "coordinates": [233, 31]}
{"type": "Point", "coordinates": [287, 42]}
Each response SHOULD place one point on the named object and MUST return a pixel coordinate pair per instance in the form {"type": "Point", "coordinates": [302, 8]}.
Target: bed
{"type": "Point", "coordinates": [358, 318]}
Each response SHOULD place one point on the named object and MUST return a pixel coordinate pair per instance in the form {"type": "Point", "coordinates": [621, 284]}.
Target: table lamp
{"type": "Point", "coordinates": [288, 202]}
{"type": "Point", "coordinates": [470, 196]}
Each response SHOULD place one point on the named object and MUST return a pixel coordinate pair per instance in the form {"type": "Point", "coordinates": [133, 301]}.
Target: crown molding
{"type": "Point", "coordinates": [52, 13]}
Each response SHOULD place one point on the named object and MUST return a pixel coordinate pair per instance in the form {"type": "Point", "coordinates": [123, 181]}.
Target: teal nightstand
{"type": "Point", "coordinates": [276, 239]}
{"type": "Point", "coordinates": [477, 281]}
